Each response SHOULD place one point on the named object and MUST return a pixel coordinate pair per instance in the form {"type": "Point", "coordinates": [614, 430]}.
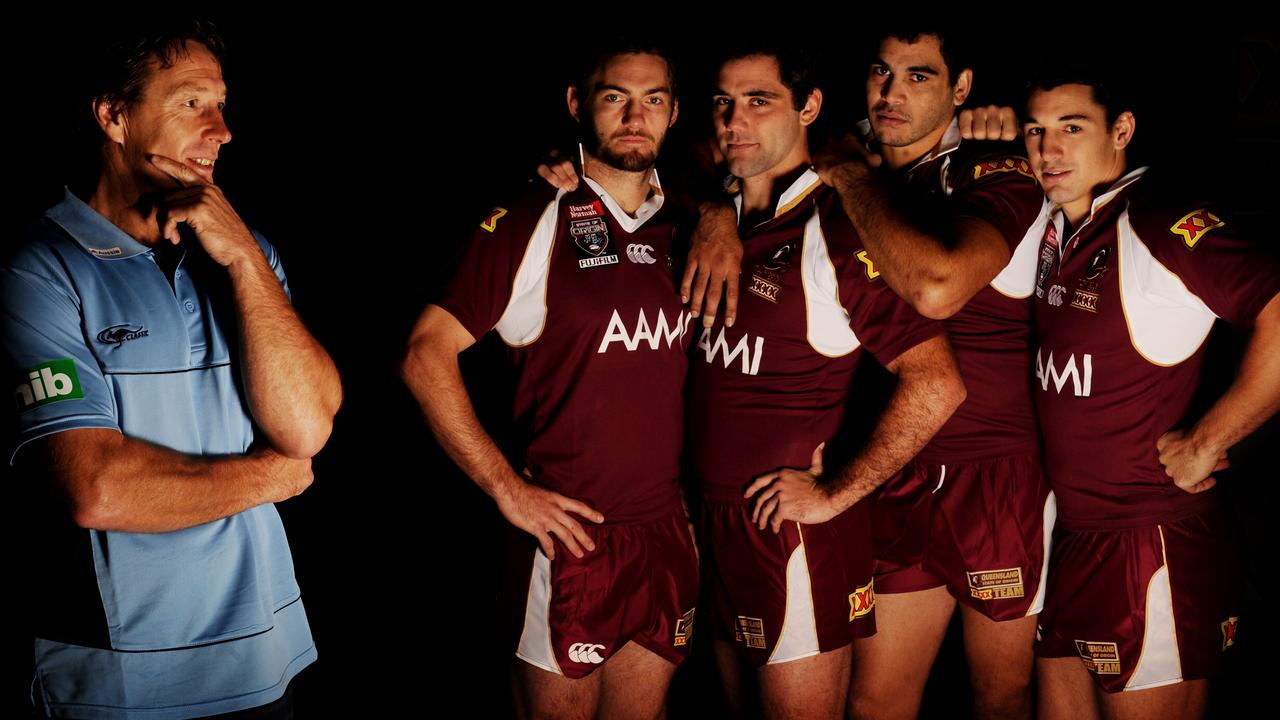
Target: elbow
{"type": "Point", "coordinates": [305, 441]}
{"type": "Point", "coordinates": [952, 393]}
{"type": "Point", "coordinates": [89, 502]}
{"type": "Point", "coordinates": [936, 299]}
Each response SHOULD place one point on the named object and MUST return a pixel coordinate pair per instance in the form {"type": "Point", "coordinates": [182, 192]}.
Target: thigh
{"type": "Point", "coordinates": [1183, 701]}
{"type": "Point", "coordinates": [811, 687]}
{"type": "Point", "coordinates": [1001, 660]}
{"type": "Point", "coordinates": [1065, 690]}
{"type": "Point", "coordinates": [634, 683]}
{"type": "Point", "coordinates": [544, 695]}
{"type": "Point", "coordinates": [891, 668]}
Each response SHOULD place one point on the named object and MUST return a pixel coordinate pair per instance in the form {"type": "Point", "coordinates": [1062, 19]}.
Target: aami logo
{"type": "Point", "coordinates": [586, 653]}
{"type": "Point", "coordinates": [750, 357]}
{"type": "Point", "coordinates": [1081, 376]}
{"type": "Point", "coordinates": [48, 382]}
{"type": "Point", "coordinates": [661, 330]}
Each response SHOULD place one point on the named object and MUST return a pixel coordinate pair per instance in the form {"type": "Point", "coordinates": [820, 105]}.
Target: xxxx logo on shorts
{"type": "Point", "coordinates": [684, 629]}
{"type": "Point", "coordinates": [749, 631]}
{"type": "Point", "coordinates": [1229, 631]}
{"type": "Point", "coordinates": [1102, 658]}
{"type": "Point", "coordinates": [862, 601]}
{"type": "Point", "coordinates": [996, 584]}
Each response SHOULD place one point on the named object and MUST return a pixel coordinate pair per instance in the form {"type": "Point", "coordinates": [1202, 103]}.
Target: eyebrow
{"type": "Point", "coordinates": [922, 69]}
{"type": "Point", "coordinates": [651, 91]}
{"type": "Point", "coordinates": [769, 94]}
{"type": "Point", "coordinates": [186, 87]}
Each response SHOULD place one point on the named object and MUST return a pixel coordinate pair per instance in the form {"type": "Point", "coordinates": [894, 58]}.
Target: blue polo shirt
{"type": "Point", "coordinates": [195, 622]}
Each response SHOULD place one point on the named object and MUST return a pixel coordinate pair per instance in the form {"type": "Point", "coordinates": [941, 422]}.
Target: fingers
{"type": "Point", "coordinates": [689, 270]}
{"type": "Point", "coordinates": [547, 544]}
{"type": "Point", "coordinates": [572, 535]}
{"type": "Point", "coordinates": [586, 511]}
{"type": "Point", "coordinates": [700, 281]}
{"type": "Point", "coordinates": [1008, 120]}
{"type": "Point", "coordinates": [965, 120]}
{"type": "Point", "coordinates": [715, 286]}
{"type": "Point", "coordinates": [731, 299]}
{"type": "Point", "coordinates": [560, 175]}
{"type": "Point", "coordinates": [759, 484]}
{"type": "Point", "coordinates": [815, 463]}
{"type": "Point", "coordinates": [1201, 486]}
{"type": "Point", "coordinates": [769, 495]}
{"type": "Point", "coordinates": [767, 512]}
{"type": "Point", "coordinates": [181, 174]}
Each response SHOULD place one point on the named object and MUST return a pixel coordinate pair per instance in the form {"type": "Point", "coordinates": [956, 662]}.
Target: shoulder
{"type": "Point", "coordinates": [982, 163]}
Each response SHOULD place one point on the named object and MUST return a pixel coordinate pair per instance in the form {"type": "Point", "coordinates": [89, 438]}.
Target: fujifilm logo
{"type": "Point", "coordinates": [47, 383]}
{"type": "Point", "coordinates": [1081, 376]}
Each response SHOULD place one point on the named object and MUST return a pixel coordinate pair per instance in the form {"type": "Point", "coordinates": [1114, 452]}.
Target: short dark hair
{"type": "Point", "coordinates": [796, 67]}
{"type": "Point", "coordinates": [595, 58]}
{"type": "Point", "coordinates": [955, 50]}
{"type": "Point", "coordinates": [124, 66]}
{"type": "Point", "coordinates": [1107, 91]}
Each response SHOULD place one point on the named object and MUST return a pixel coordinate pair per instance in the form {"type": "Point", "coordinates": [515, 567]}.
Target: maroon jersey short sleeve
{"type": "Point", "coordinates": [484, 273]}
{"type": "Point", "coordinates": [1211, 254]}
{"type": "Point", "coordinates": [999, 189]}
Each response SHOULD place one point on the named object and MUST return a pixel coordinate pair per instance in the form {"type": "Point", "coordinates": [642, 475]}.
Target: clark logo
{"type": "Point", "coordinates": [1195, 225]}
{"type": "Point", "coordinates": [491, 222]}
{"type": "Point", "coordinates": [47, 383]}
{"type": "Point", "coordinates": [872, 272]}
{"type": "Point", "coordinates": [1229, 631]}
{"type": "Point", "coordinates": [862, 601]}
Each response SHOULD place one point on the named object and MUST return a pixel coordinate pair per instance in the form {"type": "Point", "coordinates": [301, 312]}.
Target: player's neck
{"type": "Point", "coordinates": [118, 198]}
{"type": "Point", "coordinates": [900, 157]}
{"type": "Point", "coordinates": [627, 188]}
{"type": "Point", "coordinates": [760, 193]}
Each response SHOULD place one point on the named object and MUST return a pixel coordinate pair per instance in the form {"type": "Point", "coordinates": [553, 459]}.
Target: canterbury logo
{"type": "Point", "coordinates": [585, 653]}
{"type": "Point", "coordinates": [640, 254]}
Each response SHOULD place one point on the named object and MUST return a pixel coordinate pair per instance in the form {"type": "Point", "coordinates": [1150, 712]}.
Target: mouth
{"type": "Point", "coordinates": [1053, 176]}
{"type": "Point", "coordinates": [202, 165]}
{"type": "Point", "coordinates": [633, 139]}
{"type": "Point", "coordinates": [741, 147]}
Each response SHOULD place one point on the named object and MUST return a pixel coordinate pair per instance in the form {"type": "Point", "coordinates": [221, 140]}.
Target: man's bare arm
{"type": "Point", "coordinates": [431, 371]}
{"type": "Point", "coordinates": [1190, 456]}
{"type": "Point", "coordinates": [113, 482]}
{"type": "Point", "coordinates": [292, 385]}
{"type": "Point", "coordinates": [937, 275]}
{"type": "Point", "coordinates": [929, 390]}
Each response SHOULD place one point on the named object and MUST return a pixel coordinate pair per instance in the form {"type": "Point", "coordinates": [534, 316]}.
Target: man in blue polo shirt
{"type": "Point", "coordinates": [165, 389]}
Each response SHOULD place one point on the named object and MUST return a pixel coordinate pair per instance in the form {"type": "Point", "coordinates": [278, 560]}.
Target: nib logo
{"type": "Point", "coordinates": [48, 382]}
{"type": "Point", "coordinates": [585, 653]}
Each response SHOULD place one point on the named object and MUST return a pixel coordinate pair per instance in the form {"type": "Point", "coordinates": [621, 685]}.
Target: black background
{"type": "Point", "coordinates": [365, 148]}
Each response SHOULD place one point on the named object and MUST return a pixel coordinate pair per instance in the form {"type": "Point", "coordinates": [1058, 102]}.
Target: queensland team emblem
{"type": "Point", "coordinates": [591, 237]}
{"type": "Point", "coordinates": [1102, 658]}
{"type": "Point", "coordinates": [766, 277]}
{"type": "Point", "coordinates": [490, 223]}
{"type": "Point", "coordinates": [996, 584]}
{"type": "Point", "coordinates": [749, 631]}
{"type": "Point", "coordinates": [1089, 290]}
{"type": "Point", "coordinates": [872, 272]}
{"type": "Point", "coordinates": [862, 601]}
{"type": "Point", "coordinates": [1048, 253]}
{"type": "Point", "coordinates": [1004, 165]}
{"type": "Point", "coordinates": [1195, 225]}
{"type": "Point", "coordinates": [1229, 631]}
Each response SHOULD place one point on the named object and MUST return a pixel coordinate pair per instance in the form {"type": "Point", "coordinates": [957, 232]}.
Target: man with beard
{"type": "Point", "coordinates": [789, 597]}
{"type": "Point", "coordinates": [967, 522]}
{"type": "Point", "coordinates": [579, 287]}
{"type": "Point", "coordinates": [169, 393]}
{"type": "Point", "coordinates": [1145, 587]}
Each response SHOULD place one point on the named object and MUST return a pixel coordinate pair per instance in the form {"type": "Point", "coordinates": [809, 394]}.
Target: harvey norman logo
{"type": "Point", "coordinates": [48, 383]}
{"type": "Point", "coordinates": [1079, 375]}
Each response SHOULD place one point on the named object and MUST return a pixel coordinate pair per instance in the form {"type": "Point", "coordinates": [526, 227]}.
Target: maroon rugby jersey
{"type": "Point", "coordinates": [765, 392]}
{"type": "Point", "coordinates": [1123, 309]}
{"type": "Point", "coordinates": [991, 334]}
{"type": "Point", "coordinates": [583, 297]}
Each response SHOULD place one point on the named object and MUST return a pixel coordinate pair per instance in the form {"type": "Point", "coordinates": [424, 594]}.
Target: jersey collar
{"type": "Point", "coordinates": [646, 210]}
{"type": "Point", "coordinates": [798, 191]}
{"type": "Point", "coordinates": [96, 234]}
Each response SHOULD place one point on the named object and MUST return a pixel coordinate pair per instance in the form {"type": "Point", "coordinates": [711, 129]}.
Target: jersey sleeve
{"type": "Point", "coordinates": [1212, 255]}
{"type": "Point", "coordinates": [885, 323]}
{"type": "Point", "coordinates": [273, 259]}
{"type": "Point", "coordinates": [484, 273]}
{"type": "Point", "coordinates": [56, 382]}
{"type": "Point", "coordinates": [1000, 190]}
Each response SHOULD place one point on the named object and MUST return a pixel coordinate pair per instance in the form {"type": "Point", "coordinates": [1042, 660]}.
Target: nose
{"type": "Point", "coordinates": [1050, 145]}
{"type": "Point", "coordinates": [734, 121]}
{"type": "Point", "coordinates": [633, 114]}
{"type": "Point", "coordinates": [891, 90]}
{"type": "Point", "coordinates": [216, 127]}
